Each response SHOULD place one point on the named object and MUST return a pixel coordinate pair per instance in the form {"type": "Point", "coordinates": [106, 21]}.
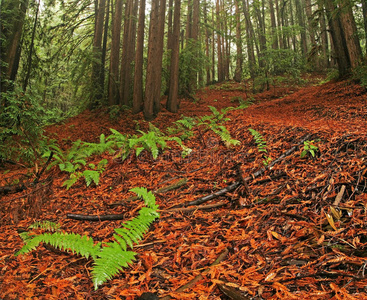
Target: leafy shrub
{"type": "Point", "coordinates": [20, 126]}
{"type": "Point", "coordinates": [109, 258]}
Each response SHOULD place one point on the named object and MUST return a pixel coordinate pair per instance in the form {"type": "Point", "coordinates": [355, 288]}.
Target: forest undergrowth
{"type": "Point", "coordinates": [269, 203]}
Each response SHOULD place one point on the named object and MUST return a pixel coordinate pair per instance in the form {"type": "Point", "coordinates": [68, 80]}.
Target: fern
{"type": "Point", "coordinates": [261, 145]}
{"type": "Point", "coordinates": [259, 140]}
{"type": "Point", "coordinates": [45, 225]}
{"type": "Point", "coordinates": [110, 258]}
{"type": "Point", "coordinates": [215, 122]}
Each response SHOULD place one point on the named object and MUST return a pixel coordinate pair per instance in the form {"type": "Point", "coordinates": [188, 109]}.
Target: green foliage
{"type": "Point", "coordinates": [109, 258]}
{"type": "Point", "coordinates": [90, 176]}
{"type": "Point", "coordinates": [261, 145]}
{"type": "Point", "coordinates": [360, 74]}
{"type": "Point", "coordinates": [309, 147]}
{"type": "Point", "coordinates": [45, 225]}
{"type": "Point", "coordinates": [21, 126]}
{"type": "Point", "coordinates": [214, 122]}
{"type": "Point", "coordinates": [153, 141]}
{"type": "Point", "coordinates": [183, 127]}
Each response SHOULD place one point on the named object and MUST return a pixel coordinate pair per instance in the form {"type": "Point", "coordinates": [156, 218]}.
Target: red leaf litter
{"type": "Point", "coordinates": [296, 231]}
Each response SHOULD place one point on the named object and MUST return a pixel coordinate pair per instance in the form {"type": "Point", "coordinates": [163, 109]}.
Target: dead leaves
{"type": "Point", "coordinates": [298, 231]}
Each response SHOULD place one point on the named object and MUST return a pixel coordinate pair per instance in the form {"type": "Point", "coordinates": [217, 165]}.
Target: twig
{"type": "Point", "coordinates": [236, 184]}
{"type": "Point", "coordinates": [38, 175]}
{"type": "Point", "coordinates": [188, 209]}
{"type": "Point", "coordinates": [200, 276]}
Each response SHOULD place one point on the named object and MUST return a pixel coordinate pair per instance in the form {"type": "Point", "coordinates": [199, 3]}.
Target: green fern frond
{"type": "Point", "coordinates": [45, 225]}
{"type": "Point", "coordinates": [110, 262]}
{"type": "Point", "coordinates": [259, 140]}
{"type": "Point", "coordinates": [110, 259]}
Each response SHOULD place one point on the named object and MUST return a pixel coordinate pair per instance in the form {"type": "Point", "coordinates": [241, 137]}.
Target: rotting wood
{"type": "Point", "coordinates": [162, 190]}
{"type": "Point", "coordinates": [254, 175]}
{"type": "Point", "coordinates": [191, 283]}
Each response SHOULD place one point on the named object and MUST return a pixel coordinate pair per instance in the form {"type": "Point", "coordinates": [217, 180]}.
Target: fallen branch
{"type": "Point", "coordinates": [188, 209]}
{"type": "Point", "coordinates": [191, 283]}
{"type": "Point", "coordinates": [162, 190]}
{"type": "Point", "coordinates": [38, 175]}
{"type": "Point", "coordinates": [95, 218]}
{"type": "Point", "coordinates": [236, 184]}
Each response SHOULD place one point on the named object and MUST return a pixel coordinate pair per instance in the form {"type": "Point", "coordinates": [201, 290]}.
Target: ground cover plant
{"type": "Point", "coordinates": [230, 225]}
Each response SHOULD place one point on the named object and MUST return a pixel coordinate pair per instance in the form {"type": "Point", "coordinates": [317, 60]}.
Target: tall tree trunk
{"type": "Point", "coordinates": [274, 37]}
{"type": "Point", "coordinates": [324, 61]}
{"type": "Point", "coordinates": [339, 43]}
{"type": "Point", "coordinates": [219, 43]}
{"type": "Point", "coordinates": [97, 66]}
{"type": "Point", "coordinates": [113, 79]}
{"type": "Point", "coordinates": [128, 52]}
{"type": "Point", "coordinates": [138, 72]}
{"type": "Point", "coordinates": [154, 66]}
{"type": "Point", "coordinates": [301, 23]}
{"type": "Point", "coordinates": [29, 60]}
{"type": "Point", "coordinates": [13, 13]}
{"type": "Point", "coordinates": [364, 10]}
{"type": "Point", "coordinates": [250, 36]}
{"type": "Point", "coordinates": [239, 58]}
{"type": "Point", "coordinates": [207, 35]}
{"type": "Point", "coordinates": [280, 30]}
{"type": "Point", "coordinates": [350, 33]}
{"type": "Point", "coordinates": [172, 101]}
{"type": "Point", "coordinates": [313, 53]}
{"type": "Point", "coordinates": [104, 45]}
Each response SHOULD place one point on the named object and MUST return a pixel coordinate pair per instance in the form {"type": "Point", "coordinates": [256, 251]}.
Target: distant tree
{"type": "Point", "coordinates": [128, 50]}
{"type": "Point", "coordinates": [97, 66]}
{"type": "Point", "coordinates": [138, 72]}
{"type": "Point", "coordinates": [239, 57]}
{"type": "Point", "coordinates": [154, 63]}
{"type": "Point", "coordinates": [113, 78]}
{"type": "Point", "coordinates": [172, 101]}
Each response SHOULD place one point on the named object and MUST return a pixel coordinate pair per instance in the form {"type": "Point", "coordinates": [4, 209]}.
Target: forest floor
{"type": "Point", "coordinates": [294, 230]}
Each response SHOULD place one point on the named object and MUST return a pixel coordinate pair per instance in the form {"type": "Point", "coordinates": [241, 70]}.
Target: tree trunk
{"type": "Point", "coordinates": [207, 35]}
{"type": "Point", "coordinates": [172, 101]}
{"type": "Point", "coordinates": [350, 33]}
{"type": "Point", "coordinates": [324, 61]}
{"type": "Point", "coordinates": [249, 39]}
{"type": "Point", "coordinates": [339, 43]}
{"type": "Point", "coordinates": [128, 52]}
{"type": "Point", "coordinates": [274, 37]}
{"type": "Point", "coordinates": [364, 10]}
{"type": "Point", "coordinates": [97, 66]}
{"type": "Point", "coordinates": [138, 75]}
{"type": "Point", "coordinates": [113, 80]}
{"type": "Point", "coordinates": [301, 23]}
{"type": "Point", "coordinates": [154, 65]}
{"type": "Point", "coordinates": [239, 58]}
{"type": "Point", "coordinates": [13, 13]}
{"type": "Point", "coordinates": [29, 60]}
{"type": "Point", "coordinates": [219, 43]}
